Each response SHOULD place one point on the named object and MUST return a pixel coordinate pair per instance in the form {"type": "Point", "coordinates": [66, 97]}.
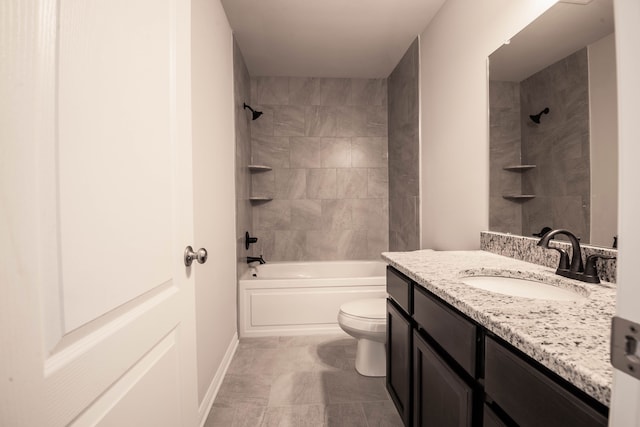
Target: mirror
{"type": "Point", "coordinates": [553, 125]}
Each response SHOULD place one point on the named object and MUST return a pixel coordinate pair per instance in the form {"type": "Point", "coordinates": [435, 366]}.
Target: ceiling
{"type": "Point", "coordinates": [563, 29]}
{"type": "Point", "coordinates": [326, 38]}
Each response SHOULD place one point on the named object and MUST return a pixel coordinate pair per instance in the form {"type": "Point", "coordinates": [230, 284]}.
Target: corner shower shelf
{"type": "Point", "coordinates": [259, 168]}
{"type": "Point", "coordinates": [260, 199]}
{"type": "Point", "coordinates": [518, 168]}
{"type": "Point", "coordinates": [518, 197]}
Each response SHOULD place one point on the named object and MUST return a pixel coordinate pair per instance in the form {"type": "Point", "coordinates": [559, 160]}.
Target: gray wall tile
{"type": "Point", "coordinates": [263, 184]}
{"type": "Point", "coordinates": [335, 91]}
{"type": "Point", "coordinates": [306, 214]}
{"type": "Point", "coordinates": [368, 152]}
{"type": "Point", "coordinates": [378, 182]}
{"type": "Point", "coordinates": [305, 152]}
{"type": "Point", "coordinates": [403, 148]}
{"type": "Point", "coordinates": [321, 184]}
{"type": "Point", "coordinates": [351, 183]}
{"type": "Point", "coordinates": [337, 214]}
{"type": "Point", "coordinates": [335, 153]}
{"type": "Point", "coordinates": [290, 183]}
{"type": "Point", "coordinates": [288, 120]}
{"type": "Point", "coordinates": [321, 121]}
{"type": "Point", "coordinates": [270, 151]}
{"type": "Point", "coordinates": [326, 140]}
{"type": "Point", "coordinates": [368, 92]}
{"type": "Point", "coordinates": [271, 91]}
{"type": "Point", "coordinates": [304, 91]}
{"type": "Point", "coordinates": [274, 215]}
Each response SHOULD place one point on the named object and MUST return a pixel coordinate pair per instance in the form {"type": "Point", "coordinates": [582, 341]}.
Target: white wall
{"type": "Point", "coordinates": [625, 410]}
{"type": "Point", "coordinates": [454, 115]}
{"type": "Point", "coordinates": [214, 191]}
{"type": "Point", "coordinates": [603, 122]}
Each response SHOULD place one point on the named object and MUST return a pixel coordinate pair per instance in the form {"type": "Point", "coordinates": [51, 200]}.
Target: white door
{"type": "Point", "coordinates": [96, 305]}
{"type": "Point", "coordinates": [625, 399]}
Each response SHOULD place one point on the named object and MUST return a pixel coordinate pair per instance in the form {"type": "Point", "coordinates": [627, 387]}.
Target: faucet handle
{"type": "Point", "coordinates": [564, 259]}
{"type": "Point", "coordinates": [590, 270]}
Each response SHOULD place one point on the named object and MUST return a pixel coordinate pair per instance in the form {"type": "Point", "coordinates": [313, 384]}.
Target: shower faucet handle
{"type": "Point", "coordinates": [249, 240]}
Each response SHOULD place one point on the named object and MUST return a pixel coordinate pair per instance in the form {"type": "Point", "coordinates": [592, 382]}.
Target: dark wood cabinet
{"type": "Point", "coordinates": [440, 397]}
{"type": "Point", "coordinates": [529, 396]}
{"type": "Point", "coordinates": [444, 369]}
{"type": "Point", "coordinates": [399, 376]}
{"type": "Point", "coordinates": [490, 419]}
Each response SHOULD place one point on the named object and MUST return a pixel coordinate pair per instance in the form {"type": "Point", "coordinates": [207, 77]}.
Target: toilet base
{"type": "Point", "coordinates": [371, 358]}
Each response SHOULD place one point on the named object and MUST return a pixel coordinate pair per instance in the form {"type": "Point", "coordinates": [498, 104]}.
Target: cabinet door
{"type": "Point", "coordinates": [399, 360]}
{"type": "Point", "coordinates": [530, 397]}
{"type": "Point", "coordinates": [440, 398]}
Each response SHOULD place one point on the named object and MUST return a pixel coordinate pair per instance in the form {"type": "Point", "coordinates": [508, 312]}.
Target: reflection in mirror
{"type": "Point", "coordinates": [553, 126]}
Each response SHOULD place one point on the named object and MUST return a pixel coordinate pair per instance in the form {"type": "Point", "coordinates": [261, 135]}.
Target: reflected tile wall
{"type": "Point", "coordinates": [326, 140]}
{"type": "Point", "coordinates": [559, 146]}
{"type": "Point", "coordinates": [403, 172]}
{"type": "Point", "coordinates": [504, 121]}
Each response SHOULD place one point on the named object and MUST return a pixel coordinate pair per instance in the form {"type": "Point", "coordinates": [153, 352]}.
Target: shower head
{"type": "Point", "coordinates": [255, 114]}
{"type": "Point", "coordinates": [536, 117]}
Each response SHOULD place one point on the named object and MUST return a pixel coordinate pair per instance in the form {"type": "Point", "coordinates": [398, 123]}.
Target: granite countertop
{"type": "Point", "coordinates": [571, 338]}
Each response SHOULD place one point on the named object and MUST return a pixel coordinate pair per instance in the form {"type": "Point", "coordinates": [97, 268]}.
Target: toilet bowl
{"type": "Point", "coordinates": [366, 320]}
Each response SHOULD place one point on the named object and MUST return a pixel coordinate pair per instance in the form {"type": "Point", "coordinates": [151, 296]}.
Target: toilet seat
{"type": "Point", "coordinates": [369, 315]}
{"type": "Point", "coordinates": [372, 308]}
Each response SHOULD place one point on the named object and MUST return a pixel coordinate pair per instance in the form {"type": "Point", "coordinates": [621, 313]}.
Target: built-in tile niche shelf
{"type": "Point", "coordinates": [259, 168]}
{"type": "Point", "coordinates": [518, 197]}
{"type": "Point", "coordinates": [518, 168]}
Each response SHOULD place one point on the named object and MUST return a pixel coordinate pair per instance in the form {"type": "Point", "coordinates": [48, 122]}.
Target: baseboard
{"type": "Point", "coordinates": [214, 387]}
{"type": "Point", "coordinates": [290, 330]}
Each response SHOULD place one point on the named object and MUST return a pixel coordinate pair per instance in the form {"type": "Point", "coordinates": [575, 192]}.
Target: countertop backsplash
{"type": "Point", "coordinates": [526, 249]}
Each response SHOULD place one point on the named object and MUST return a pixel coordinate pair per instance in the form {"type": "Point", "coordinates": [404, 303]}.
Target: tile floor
{"type": "Point", "coordinates": [300, 381]}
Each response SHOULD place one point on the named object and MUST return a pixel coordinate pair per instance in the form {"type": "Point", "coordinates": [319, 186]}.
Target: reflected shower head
{"type": "Point", "coordinates": [536, 117]}
{"type": "Point", "coordinates": [255, 114]}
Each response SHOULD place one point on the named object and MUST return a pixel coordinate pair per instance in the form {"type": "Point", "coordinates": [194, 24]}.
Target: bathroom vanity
{"type": "Point", "coordinates": [462, 356]}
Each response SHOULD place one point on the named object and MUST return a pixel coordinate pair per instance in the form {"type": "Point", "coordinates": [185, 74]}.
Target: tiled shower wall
{"type": "Point", "coordinates": [326, 142]}
{"type": "Point", "coordinates": [244, 214]}
{"type": "Point", "coordinates": [404, 155]}
{"type": "Point", "coordinates": [558, 146]}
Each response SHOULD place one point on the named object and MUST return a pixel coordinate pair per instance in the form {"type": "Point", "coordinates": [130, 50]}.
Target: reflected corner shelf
{"type": "Point", "coordinates": [260, 199]}
{"type": "Point", "coordinates": [518, 197]}
{"type": "Point", "coordinates": [259, 168]}
{"type": "Point", "coordinates": [518, 168]}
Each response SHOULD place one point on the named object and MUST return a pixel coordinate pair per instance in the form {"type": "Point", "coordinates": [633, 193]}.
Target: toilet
{"type": "Point", "coordinates": [366, 320]}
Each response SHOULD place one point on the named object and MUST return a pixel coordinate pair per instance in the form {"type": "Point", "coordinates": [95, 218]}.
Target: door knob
{"type": "Point", "coordinates": [200, 256]}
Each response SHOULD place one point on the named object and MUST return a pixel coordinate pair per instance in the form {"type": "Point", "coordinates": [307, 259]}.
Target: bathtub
{"type": "Point", "coordinates": [298, 298]}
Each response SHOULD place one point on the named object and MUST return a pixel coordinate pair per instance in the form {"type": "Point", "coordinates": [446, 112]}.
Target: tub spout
{"type": "Point", "coordinates": [259, 259]}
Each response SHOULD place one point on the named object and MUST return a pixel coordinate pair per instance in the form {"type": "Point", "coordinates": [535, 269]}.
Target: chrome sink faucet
{"type": "Point", "coordinates": [576, 270]}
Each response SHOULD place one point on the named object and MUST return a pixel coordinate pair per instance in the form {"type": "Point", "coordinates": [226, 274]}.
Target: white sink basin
{"type": "Point", "coordinates": [521, 288]}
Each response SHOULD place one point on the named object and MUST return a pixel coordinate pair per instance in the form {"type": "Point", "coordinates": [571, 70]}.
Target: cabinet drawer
{"type": "Point", "coordinates": [455, 334]}
{"type": "Point", "coordinates": [399, 288]}
{"type": "Point", "coordinates": [530, 397]}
